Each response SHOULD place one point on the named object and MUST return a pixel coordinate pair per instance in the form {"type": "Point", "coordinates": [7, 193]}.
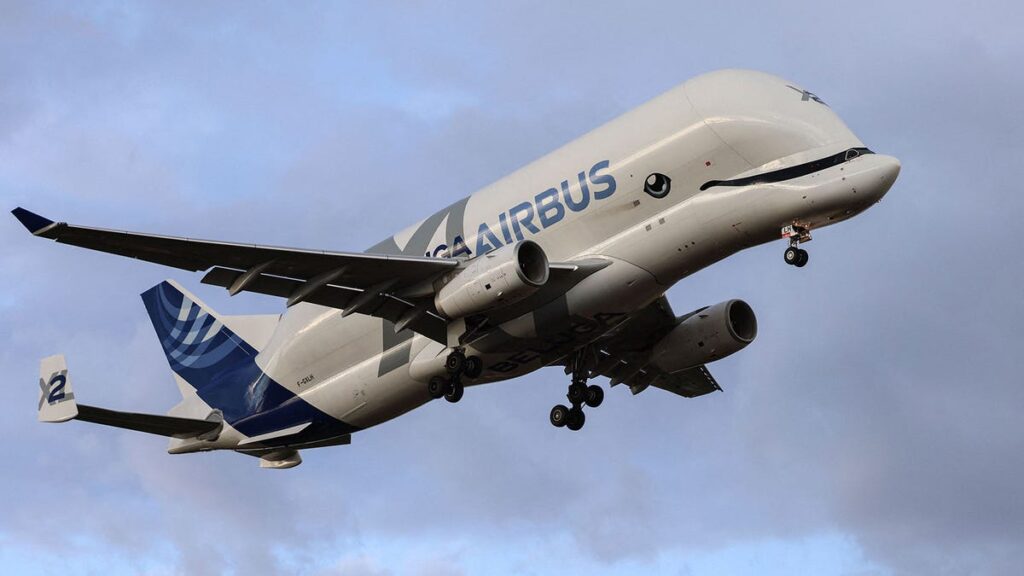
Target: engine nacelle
{"type": "Point", "coordinates": [499, 278]}
{"type": "Point", "coordinates": [705, 336]}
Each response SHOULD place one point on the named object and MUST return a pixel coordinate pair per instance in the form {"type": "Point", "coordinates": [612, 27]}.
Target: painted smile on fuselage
{"type": "Point", "coordinates": [791, 172]}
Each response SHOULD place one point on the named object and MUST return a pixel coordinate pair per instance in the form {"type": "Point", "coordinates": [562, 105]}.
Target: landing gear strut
{"type": "Point", "coordinates": [457, 364]}
{"type": "Point", "coordinates": [579, 394]}
{"type": "Point", "coordinates": [794, 255]}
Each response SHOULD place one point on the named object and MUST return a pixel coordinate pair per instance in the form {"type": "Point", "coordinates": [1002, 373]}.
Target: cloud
{"type": "Point", "coordinates": [879, 401]}
{"type": "Point", "coordinates": [357, 566]}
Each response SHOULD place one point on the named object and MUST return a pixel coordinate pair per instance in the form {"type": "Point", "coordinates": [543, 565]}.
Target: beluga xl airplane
{"type": "Point", "coordinates": [564, 262]}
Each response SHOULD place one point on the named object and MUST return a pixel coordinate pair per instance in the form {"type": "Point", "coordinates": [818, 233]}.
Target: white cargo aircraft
{"type": "Point", "coordinates": [564, 262]}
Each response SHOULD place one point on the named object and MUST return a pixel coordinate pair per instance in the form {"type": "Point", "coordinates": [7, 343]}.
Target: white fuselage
{"type": "Point", "coordinates": [587, 200]}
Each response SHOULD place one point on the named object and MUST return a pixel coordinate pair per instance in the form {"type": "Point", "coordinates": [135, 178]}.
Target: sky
{"type": "Point", "coordinates": [873, 428]}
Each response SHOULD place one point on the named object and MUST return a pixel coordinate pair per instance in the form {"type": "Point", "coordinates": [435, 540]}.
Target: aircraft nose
{"type": "Point", "coordinates": [882, 175]}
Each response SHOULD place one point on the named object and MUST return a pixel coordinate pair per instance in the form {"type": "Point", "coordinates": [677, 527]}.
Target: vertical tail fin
{"type": "Point", "coordinates": [198, 345]}
{"type": "Point", "coordinates": [208, 355]}
{"type": "Point", "coordinates": [56, 400]}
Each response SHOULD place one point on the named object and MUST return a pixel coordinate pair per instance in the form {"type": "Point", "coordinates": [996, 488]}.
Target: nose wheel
{"type": "Point", "coordinates": [457, 364]}
{"type": "Point", "coordinates": [579, 395]}
{"type": "Point", "coordinates": [794, 255]}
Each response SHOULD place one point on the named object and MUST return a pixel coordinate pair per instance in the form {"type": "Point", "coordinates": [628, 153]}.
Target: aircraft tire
{"type": "Point", "coordinates": [474, 366]}
{"type": "Point", "coordinates": [454, 392]}
{"type": "Point", "coordinates": [455, 363]}
{"type": "Point", "coordinates": [576, 419]}
{"type": "Point", "coordinates": [595, 395]}
{"type": "Point", "coordinates": [801, 258]}
{"type": "Point", "coordinates": [559, 415]}
{"type": "Point", "coordinates": [577, 393]}
{"type": "Point", "coordinates": [437, 387]}
{"type": "Point", "coordinates": [792, 255]}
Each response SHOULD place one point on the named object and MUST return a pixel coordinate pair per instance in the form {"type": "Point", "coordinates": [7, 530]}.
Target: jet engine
{"type": "Point", "coordinates": [706, 335]}
{"type": "Point", "coordinates": [499, 278]}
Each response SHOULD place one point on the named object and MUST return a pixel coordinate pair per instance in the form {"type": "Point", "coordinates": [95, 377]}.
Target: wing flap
{"type": "Point", "coordinates": [638, 376]}
{"type": "Point", "coordinates": [383, 304]}
{"type": "Point", "coordinates": [623, 356]}
{"type": "Point", "coordinates": [688, 383]}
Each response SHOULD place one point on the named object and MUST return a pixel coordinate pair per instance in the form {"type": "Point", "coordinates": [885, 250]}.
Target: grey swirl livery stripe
{"type": "Point", "coordinates": [397, 347]}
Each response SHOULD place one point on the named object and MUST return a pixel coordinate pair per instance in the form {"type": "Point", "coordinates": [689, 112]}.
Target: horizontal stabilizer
{"type": "Point", "coordinates": [57, 404]}
{"type": "Point", "coordinates": [150, 423]}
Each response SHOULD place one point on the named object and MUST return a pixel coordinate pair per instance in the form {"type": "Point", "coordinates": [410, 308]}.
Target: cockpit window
{"type": "Point", "coordinates": [793, 171]}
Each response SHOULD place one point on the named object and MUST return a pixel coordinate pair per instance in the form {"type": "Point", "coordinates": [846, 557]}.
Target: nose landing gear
{"type": "Point", "coordinates": [794, 255]}
{"type": "Point", "coordinates": [579, 394]}
{"type": "Point", "coordinates": [458, 365]}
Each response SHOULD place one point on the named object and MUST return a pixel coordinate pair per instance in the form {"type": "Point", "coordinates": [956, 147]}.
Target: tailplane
{"type": "Point", "coordinates": [57, 404]}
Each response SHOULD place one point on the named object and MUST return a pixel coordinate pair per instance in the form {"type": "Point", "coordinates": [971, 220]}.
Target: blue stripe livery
{"type": "Point", "coordinates": [222, 368]}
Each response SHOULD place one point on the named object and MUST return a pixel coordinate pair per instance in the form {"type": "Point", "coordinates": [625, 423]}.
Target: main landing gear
{"type": "Point", "coordinates": [457, 365]}
{"type": "Point", "coordinates": [579, 394]}
{"type": "Point", "coordinates": [794, 255]}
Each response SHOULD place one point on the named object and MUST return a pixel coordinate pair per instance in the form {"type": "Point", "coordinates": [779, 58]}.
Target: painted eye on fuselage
{"type": "Point", "coordinates": [657, 185]}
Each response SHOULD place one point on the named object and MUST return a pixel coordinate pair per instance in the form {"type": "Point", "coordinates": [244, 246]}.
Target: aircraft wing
{"type": "Point", "coordinates": [386, 286]}
{"type": "Point", "coordinates": [396, 288]}
{"type": "Point", "coordinates": [638, 376]}
{"type": "Point", "coordinates": [623, 356]}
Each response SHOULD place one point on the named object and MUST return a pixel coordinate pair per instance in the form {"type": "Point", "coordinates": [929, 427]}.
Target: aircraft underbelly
{"type": "Point", "coordinates": [360, 394]}
{"type": "Point", "coordinates": [585, 313]}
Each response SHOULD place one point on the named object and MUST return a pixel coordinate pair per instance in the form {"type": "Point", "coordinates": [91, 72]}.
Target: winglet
{"type": "Point", "coordinates": [34, 222]}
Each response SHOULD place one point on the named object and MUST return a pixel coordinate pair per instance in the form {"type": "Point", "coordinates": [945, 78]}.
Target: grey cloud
{"type": "Point", "coordinates": [357, 566]}
{"type": "Point", "coordinates": [880, 400]}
